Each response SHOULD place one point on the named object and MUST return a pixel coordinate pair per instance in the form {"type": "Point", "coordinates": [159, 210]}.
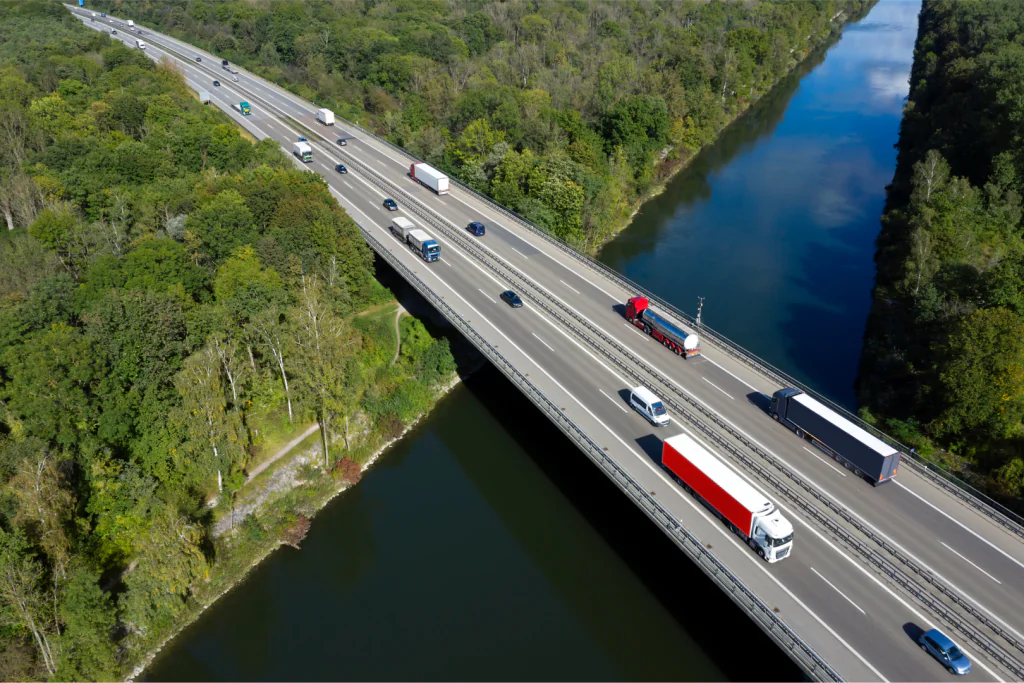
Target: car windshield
{"type": "Point", "coordinates": [777, 542]}
{"type": "Point", "coordinates": [954, 653]}
{"type": "Point", "coordinates": [659, 409]}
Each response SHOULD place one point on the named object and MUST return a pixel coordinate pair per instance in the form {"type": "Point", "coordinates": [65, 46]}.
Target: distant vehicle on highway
{"type": "Point", "coordinates": [199, 59]}
{"type": "Point", "coordinates": [302, 139]}
{"type": "Point", "coordinates": [390, 205]}
{"type": "Point", "coordinates": [342, 141]}
{"type": "Point", "coordinates": [340, 168]}
{"type": "Point", "coordinates": [476, 228]}
{"type": "Point", "coordinates": [216, 84]}
{"type": "Point", "coordinates": [234, 79]}
{"type": "Point", "coordinates": [113, 31]}
{"type": "Point", "coordinates": [103, 14]}
{"type": "Point", "coordinates": [511, 298]}
{"type": "Point", "coordinates": [938, 645]}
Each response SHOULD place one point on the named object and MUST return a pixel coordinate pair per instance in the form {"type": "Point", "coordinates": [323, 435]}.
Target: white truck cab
{"type": "Point", "coordinates": [650, 406]}
{"type": "Point", "coordinates": [773, 535]}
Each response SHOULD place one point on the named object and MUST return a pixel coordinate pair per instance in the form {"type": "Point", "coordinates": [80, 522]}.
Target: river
{"type": "Point", "coordinates": [775, 224]}
{"type": "Point", "coordinates": [484, 545]}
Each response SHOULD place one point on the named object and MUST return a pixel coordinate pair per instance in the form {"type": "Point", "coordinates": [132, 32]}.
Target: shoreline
{"type": "Point", "coordinates": [661, 184]}
{"type": "Point", "coordinates": [318, 506]}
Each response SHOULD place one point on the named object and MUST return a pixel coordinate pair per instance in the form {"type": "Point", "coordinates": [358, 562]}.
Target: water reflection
{"type": "Point", "coordinates": [775, 224]}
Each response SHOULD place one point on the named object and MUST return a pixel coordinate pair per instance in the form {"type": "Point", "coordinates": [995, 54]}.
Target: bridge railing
{"type": "Point", "coordinates": [799, 650]}
{"type": "Point", "coordinates": [928, 468]}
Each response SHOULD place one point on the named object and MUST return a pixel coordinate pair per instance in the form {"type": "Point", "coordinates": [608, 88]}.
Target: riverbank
{"type": "Point", "coordinates": [675, 160]}
{"type": "Point", "coordinates": [243, 547]}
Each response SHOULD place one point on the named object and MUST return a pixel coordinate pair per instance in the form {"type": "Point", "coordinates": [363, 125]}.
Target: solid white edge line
{"type": "Point", "coordinates": [658, 473]}
{"type": "Point", "coordinates": [838, 591]}
{"type": "Point", "coordinates": [925, 620]}
{"type": "Point", "coordinates": [730, 423]}
{"type": "Point", "coordinates": [827, 463]}
{"type": "Point", "coordinates": [972, 564]}
{"type": "Point", "coordinates": [960, 524]}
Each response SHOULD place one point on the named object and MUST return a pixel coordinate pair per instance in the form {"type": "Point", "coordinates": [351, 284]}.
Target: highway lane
{"type": "Point", "coordinates": [370, 207]}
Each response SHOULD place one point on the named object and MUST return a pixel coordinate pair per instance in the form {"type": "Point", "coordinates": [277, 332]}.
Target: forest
{"type": "Point", "coordinates": [175, 299]}
{"type": "Point", "coordinates": [568, 112]}
{"type": "Point", "coordinates": [943, 361]}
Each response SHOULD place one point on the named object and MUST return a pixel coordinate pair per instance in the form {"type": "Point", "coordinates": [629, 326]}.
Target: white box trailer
{"type": "Point", "coordinates": [429, 176]}
{"type": "Point", "coordinates": [325, 116]}
{"type": "Point", "coordinates": [402, 227]}
{"type": "Point", "coordinates": [303, 151]}
{"type": "Point", "coordinates": [204, 97]}
{"type": "Point", "coordinates": [131, 23]}
{"type": "Point", "coordinates": [424, 245]}
{"type": "Point", "coordinates": [140, 44]}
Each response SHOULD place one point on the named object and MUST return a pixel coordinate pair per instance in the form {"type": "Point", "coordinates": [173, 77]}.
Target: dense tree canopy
{"type": "Point", "coordinates": [943, 356]}
{"type": "Point", "coordinates": [155, 288]}
{"type": "Point", "coordinates": [566, 112]}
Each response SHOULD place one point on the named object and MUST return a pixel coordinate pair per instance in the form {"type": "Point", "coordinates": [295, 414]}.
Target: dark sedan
{"type": "Point", "coordinates": [342, 141]}
{"type": "Point", "coordinates": [512, 299]}
{"type": "Point", "coordinates": [340, 168]}
{"type": "Point", "coordinates": [390, 205]}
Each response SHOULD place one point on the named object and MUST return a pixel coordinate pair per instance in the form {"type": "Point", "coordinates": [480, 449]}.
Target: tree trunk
{"type": "Point", "coordinates": [9, 217]}
{"type": "Point", "coordinates": [252, 361]}
{"type": "Point", "coordinates": [346, 433]}
{"type": "Point", "coordinates": [284, 378]}
{"type": "Point", "coordinates": [325, 438]}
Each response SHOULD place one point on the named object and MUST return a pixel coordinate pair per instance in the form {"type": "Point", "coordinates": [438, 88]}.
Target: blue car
{"type": "Point", "coordinates": [302, 139]}
{"type": "Point", "coordinates": [340, 168]}
{"type": "Point", "coordinates": [476, 228]}
{"type": "Point", "coordinates": [938, 645]}
{"type": "Point", "coordinates": [512, 299]}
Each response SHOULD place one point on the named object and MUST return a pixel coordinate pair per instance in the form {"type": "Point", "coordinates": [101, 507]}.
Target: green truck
{"type": "Point", "coordinates": [242, 107]}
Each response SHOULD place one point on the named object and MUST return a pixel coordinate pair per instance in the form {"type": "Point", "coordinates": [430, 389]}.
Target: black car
{"type": "Point", "coordinates": [390, 205]}
{"type": "Point", "coordinates": [113, 31]}
{"type": "Point", "coordinates": [199, 59]}
{"type": "Point", "coordinates": [342, 141]}
{"type": "Point", "coordinates": [476, 228]}
{"type": "Point", "coordinates": [512, 299]}
{"type": "Point", "coordinates": [340, 168]}
{"type": "Point", "coordinates": [216, 84]}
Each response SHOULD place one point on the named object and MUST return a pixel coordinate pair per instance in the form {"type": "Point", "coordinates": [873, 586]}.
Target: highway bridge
{"type": "Point", "coordinates": [871, 567]}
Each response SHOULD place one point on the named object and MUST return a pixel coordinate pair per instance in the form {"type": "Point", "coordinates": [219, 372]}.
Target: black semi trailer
{"type": "Point", "coordinates": [841, 439]}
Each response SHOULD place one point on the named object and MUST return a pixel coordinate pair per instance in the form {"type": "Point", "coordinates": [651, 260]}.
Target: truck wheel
{"type": "Point", "coordinates": [776, 416]}
{"type": "Point", "coordinates": [799, 432]}
{"type": "Point", "coordinates": [647, 329]}
{"type": "Point", "coordinates": [760, 551]}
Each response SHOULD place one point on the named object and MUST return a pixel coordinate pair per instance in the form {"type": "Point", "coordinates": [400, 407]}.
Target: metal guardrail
{"type": "Point", "coordinates": [934, 472]}
{"type": "Point", "coordinates": [872, 556]}
{"type": "Point", "coordinates": [980, 639]}
{"type": "Point", "coordinates": [776, 628]}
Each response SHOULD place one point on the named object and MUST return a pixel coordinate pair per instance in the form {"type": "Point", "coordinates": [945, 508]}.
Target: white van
{"type": "Point", "coordinates": [141, 45]}
{"type": "Point", "coordinates": [649, 405]}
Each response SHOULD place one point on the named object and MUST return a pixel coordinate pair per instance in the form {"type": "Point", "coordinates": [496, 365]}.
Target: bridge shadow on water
{"type": "Point", "coordinates": [706, 615]}
{"type": "Point", "coordinates": [713, 622]}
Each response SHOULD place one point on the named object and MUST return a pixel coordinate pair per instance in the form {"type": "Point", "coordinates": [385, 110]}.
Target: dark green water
{"type": "Point", "coordinates": [484, 546]}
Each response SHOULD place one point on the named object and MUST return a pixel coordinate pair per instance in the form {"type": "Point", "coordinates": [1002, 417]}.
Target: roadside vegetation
{"type": "Point", "coordinates": [568, 112]}
{"type": "Point", "coordinates": [943, 357]}
{"type": "Point", "coordinates": [176, 302]}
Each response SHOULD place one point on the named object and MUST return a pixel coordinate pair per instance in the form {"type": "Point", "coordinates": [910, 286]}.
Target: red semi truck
{"type": "Point", "coordinates": [747, 511]}
{"type": "Point", "coordinates": [671, 335]}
